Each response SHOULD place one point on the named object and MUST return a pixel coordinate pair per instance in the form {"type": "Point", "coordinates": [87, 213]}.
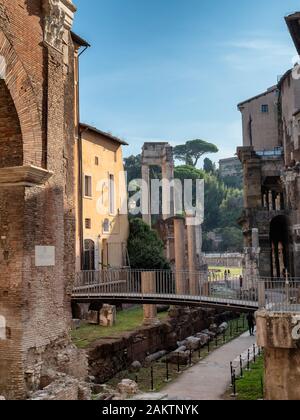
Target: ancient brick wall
{"type": "Point", "coordinates": [36, 300]}
{"type": "Point", "coordinates": [11, 136]}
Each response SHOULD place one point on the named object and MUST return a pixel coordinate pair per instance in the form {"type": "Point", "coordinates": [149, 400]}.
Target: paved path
{"type": "Point", "coordinates": [209, 379]}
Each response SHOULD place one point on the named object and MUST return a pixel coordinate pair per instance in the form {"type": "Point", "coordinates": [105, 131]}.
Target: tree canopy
{"type": "Point", "coordinates": [145, 248]}
{"type": "Point", "coordinates": [223, 206]}
{"type": "Point", "coordinates": [193, 150]}
{"type": "Point", "coordinates": [209, 166]}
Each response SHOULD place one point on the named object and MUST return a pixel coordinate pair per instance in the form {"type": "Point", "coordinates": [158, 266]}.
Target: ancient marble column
{"type": "Point", "coordinates": [168, 189]}
{"type": "Point", "coordinates": [146, 195]}
{"type": "Point", "coordinates": [149, 287]}
{"type": "Point", "coordinates": [179, 243]}
{"type": "Point", "coordinates": [192, 257]}
{"type": "Point", "coordinates": [255, 238]}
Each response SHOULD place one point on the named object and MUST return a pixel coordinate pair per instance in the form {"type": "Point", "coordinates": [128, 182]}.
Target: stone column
{"type": "Point", "coordinates": [278, 334]}
{"type": "Point", "coordinates": [179, 243]}
{"type": "Point", "coordinates": [167, 191]}
{"type": "Point", "coordinates": [255, 238]}
{"type": "Point", "coordinates": [192, 256]}
{"type": "Point", "coordinates": [146, 195]}
{"type": "Point", "coordinates": [149, 287]}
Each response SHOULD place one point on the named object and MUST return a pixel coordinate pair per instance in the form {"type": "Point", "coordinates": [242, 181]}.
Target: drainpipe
{"type": "Point", "coordinates": [80, 166]}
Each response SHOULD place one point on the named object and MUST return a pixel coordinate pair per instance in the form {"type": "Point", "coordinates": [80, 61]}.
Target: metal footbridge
{"type": "Point", "coordinates": [208, 290]}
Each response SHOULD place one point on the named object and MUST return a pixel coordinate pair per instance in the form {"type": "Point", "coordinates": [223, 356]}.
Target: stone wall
{"type": "Point", "coordinates": [37, 128]}
{"type": "Point", "coordinates": [109, 356]}
{"type": "Point", "coordinates": [278, 334]}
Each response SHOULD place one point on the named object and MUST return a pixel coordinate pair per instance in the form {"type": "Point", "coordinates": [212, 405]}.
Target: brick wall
{"type": "Point", "coordinates": [10, 130]}
{"type": "Point", "coordinates": [36, 300]}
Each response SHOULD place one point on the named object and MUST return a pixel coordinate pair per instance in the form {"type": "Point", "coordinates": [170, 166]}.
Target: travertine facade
{"type": "Point", "coordinates": [270, 157]}
{"type": "Point", "coordinates": [37, 219]}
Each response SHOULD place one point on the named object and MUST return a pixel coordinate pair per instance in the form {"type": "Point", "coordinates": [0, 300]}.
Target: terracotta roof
{"type": "Point", "coordinates": [80, 41]}
{"type": "Point", "coordinates": [102, 133]}
{"type": "Point", "coordinates": [293, 23]}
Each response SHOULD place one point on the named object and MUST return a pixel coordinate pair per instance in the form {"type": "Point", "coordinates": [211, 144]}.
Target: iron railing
{"type": "Point", "coordinates": [279, 295]}
{"type": "Point", "coordinates": [209, 288]}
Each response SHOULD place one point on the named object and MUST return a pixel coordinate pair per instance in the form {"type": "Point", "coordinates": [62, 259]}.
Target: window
{"type": "Point", "coordinates": [89, 255]}
{"type": "Point", "coordinates": [88, 223]}
{"type": "Point", "coordinates": [106, 226]}
{"type": "Point", "coordinates": [88, 186]}
{"type": "Point", "coordinates": [111, 194]}
{"type": "Point", "coordinates": [265, 109]}
{"type": "Point", "coordinates": [96, 161]}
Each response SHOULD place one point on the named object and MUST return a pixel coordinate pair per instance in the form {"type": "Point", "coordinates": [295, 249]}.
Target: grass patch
{"type": "Point", "coordinates": [250, 387]}
{"type": "Point", "coordinates": [127, 320]}
{"type": "Point", "coordinates": [235, 271]}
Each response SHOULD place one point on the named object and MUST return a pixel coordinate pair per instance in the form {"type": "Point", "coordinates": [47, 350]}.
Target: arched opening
{"type": "Point", "coordinates": [279, 239]}
{"type": "Point", "coordinates": [89, 255]}
{"type": "Point", "coordinates": [11, 144]}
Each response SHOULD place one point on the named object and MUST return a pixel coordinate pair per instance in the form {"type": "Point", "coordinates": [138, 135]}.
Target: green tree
{"type": "Point", "coordinates": [232, 239]}
{"type": "Point", "coordinates": [193, 150]}
{"type": "Point", "coordinates": [231, 208]}
{"type": "Point", "coordinates": [209, 166]}
{"type": "Point", "coordinates": [145, 249]}
{"type": "Point", "coordinates": [214, 193]}
{"type": "Point", "coordinates": [132, 166]}
{"type": "Point", "coordinates": [233, 181]}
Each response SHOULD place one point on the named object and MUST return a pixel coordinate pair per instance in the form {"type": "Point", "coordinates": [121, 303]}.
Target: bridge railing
{"type": "Point", "coordinates": [279, 294]}
{"type": "Point", "coordinates": [164, 285]}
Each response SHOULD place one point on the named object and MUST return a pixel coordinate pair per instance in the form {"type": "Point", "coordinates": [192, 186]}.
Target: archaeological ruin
{"type": "Point", "coordinates": [270, 158]}
{"type": "Point", "coordinates": [271, 162]}
{"type": "Point", "coordinates": [37, 220]}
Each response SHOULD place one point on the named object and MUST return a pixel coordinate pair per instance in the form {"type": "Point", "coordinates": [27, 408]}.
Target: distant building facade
{"type": "Point", "coordinates": [230, 167]}
{"type": "Point", "coordinates": [102, 230]}
{"type": "Point", "coordinates": [271, 164]}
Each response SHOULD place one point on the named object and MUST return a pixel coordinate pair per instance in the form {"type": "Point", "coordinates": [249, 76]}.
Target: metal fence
{"type": "Point", "coordinates": [279, 295]}
{"type": "Point", "coordinates": [272, 294]}
{"type": "Point", "coordinates": [165, 285]}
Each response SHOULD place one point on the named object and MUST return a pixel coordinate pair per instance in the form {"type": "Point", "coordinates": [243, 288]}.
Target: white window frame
{"type": "Point", "coordinates": [112, 194]}
{"type": "Point", "coordinates": [84, 185]}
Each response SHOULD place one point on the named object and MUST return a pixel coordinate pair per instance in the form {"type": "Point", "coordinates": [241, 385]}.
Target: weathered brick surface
{"type": "Point", "coordinates": [37, 117]}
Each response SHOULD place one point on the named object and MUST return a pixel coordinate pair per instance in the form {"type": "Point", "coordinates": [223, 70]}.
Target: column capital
{"type": "Point", "coordinates": [58, 17]}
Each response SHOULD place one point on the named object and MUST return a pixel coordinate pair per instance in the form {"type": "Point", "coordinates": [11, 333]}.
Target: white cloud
{"type": "Point", "coordinates": [263, 45]}
{"type": "Point", "coordinates": [258, 53]}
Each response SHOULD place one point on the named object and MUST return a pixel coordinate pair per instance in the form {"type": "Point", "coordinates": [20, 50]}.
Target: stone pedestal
{"type": "Point", "coordinates": [93, 318]}
{"type": "Point", "coordinates": [108, 316]}
{"type": "Point", "coordinates": [279, 335]}
{"type": "Point", "coordinates": [149, 287]}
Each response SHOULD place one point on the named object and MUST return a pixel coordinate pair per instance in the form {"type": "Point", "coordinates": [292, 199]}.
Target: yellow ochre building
{"type": "Point", "coordinates": [102, 227]}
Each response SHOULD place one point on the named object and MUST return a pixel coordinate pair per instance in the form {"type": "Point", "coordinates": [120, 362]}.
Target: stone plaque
{"type": "Point", "coordinates": [44, 256]}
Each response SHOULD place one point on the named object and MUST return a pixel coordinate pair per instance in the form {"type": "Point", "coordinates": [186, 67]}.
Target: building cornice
{"type": "Point", "coordinates": [27, 176]}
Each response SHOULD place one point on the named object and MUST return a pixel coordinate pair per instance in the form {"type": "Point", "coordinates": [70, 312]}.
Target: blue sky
{"type": "Point", "coordinates": [174, 70]}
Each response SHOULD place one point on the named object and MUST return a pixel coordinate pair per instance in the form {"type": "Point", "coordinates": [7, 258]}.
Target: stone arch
{"type": "Point", "coordinates": [2, 328]}
{"type": "Point", "coordinates": [11, 143]}
{"type": "Point", "coordinates": [23, 96]}
{"type": "Point", "coordinates": [279, 239]}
